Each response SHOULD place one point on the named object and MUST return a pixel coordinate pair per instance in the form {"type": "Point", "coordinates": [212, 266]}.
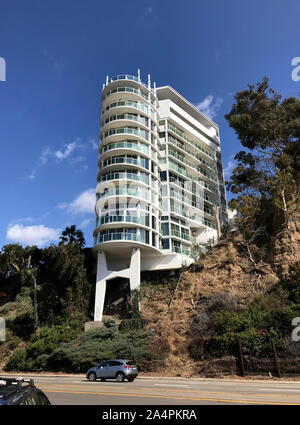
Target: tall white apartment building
{"type": "Point", "coordinates": [159, 177]}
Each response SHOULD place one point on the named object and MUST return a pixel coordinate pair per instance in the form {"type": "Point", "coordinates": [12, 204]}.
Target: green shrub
{"type": "Point", "coordinates": [18, 361]}
{"type": "Point", "coordinates": [39, 348]}
{"type": "Point", "coordinates": [6, 308]}
{"type": "Point", "coordinates": [132, 324]}
{"type": "Point", "coordinates": [95, 346]}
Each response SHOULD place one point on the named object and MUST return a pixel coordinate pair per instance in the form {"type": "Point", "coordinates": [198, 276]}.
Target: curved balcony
{"type": "Point", "coordinates": [131, 78]}
{"type": "Point", "coordinates": [127, 145]}
{"type": "Point", "coordinates": [124, 105]}
{"type": "Point", "coordinates": [120, 160]}
{"type": "Point", "coordinates": [131, 93]}
{"type": "Point", "coordinates": [125, 176]}
{"type": "Point", "coordinates": [142, 220]}
{"type": "Point", "coordinates": [141, 134]}
{"type": "Point", "coordinates": [115, 120]}
{"type": "Point", "coordinates": [132, 193]}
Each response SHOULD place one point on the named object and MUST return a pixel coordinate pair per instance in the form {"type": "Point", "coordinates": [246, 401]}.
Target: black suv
{"type": "Point", "coordinates": [13, 391]}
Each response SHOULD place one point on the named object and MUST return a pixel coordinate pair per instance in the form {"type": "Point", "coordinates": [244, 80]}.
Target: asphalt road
{"type": "Point", "coordinates": [76, 390]}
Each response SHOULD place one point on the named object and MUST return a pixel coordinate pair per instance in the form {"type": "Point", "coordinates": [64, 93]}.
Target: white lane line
{"type": "Point", "coordinates": [284, 390]}
{"type": "Point", "coordinates": [172, 385]}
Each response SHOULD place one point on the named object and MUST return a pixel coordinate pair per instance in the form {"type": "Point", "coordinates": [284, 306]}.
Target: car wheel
{"type": "Point", "coordinates": [92, 376]}
{"type": "Point", "coordinates": [130, 379]}
{"type": "Point", "coordinates": [120, 377]}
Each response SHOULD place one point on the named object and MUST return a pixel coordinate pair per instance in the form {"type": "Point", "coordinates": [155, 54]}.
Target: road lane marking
{"type": "Point", "coordinates": [172, 385]}
{"type": "Point", "coordinates": [179, 390]}
{"type": "Point", "coordinates": [281, 389]}
{"type": "Point", "coordinates": [172, 397]}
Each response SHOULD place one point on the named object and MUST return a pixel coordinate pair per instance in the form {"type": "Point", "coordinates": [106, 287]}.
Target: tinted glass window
{"type": "Point", "coordinates": [130, 363]}
{"type": "Point", "coordinates": [114, 363]}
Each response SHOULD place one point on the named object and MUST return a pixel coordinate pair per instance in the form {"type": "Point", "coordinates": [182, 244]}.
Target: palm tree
{"type": "Point", "coordinates": [71, 236]}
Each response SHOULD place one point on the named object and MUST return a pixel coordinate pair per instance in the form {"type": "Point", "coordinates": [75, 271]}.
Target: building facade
{"type": "Point", "coordinates": [160, 182]}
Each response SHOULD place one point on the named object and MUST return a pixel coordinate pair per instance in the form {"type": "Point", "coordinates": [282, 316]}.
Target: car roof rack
{"type": "Point", "coordinates": [17, 382]}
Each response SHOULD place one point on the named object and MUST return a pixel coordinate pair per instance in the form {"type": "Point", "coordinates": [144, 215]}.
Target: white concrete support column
{"type": "Point", "coordinates": [102, 273]}
{"type": "Point", "coordinates": [135, 269]}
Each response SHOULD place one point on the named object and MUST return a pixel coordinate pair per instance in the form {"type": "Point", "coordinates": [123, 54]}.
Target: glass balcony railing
{"type": "Point", "coordinates": [183, 172]}
{"type": "Point", "coordinates": [144, 163]}
{"type": "Point", "coordinates": [184, 251]}
{"type": "Point", "coordinates": [187, 186]}
{"type": "Point", "coordinates": [182, 235]}
{"type": "Point", "coordinates": [129, 78]}
{"type": "Point", "coordinates": [119, 236]}
{"type": "Point", "coordinates": [190, 164]}
{"type": "Point", "coordinates": [126, 130]}
{"type": "Point", "coordinates": [126, 176]}
{"type": "Point", "coordinates": [185, 149]}
{"type": "Point", "coordinates": [131, 104]}
{"type": "Point", "coordinates": [141, 147]}
{"type": "Point", "coordinates": [129, 117]}
{"type": "Point", "coordinates": [121, 192]}
{"type": "Point", "coordinates": [193, 217]}
{"type": "Point", "coordinates": [188, 201]}
{"type": "Point", "coordinates": [187, 139]}
{"type": "Point", "coordinates": [126, 90]}
{"type": "Point", "coordinates": [122, 236]}
{"type": "Point", "coordinates": [119, 218]}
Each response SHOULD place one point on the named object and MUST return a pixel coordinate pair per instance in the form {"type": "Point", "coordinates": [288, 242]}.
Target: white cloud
{"type": "Point", "coordinates": [69, 148]}
{"type": "Point", "coordinates": [45, 156]}
{"type": "Point", "coordinates": [229, 167]}
{"type": "Point", "coordinates": [32, 175]}
{"type": "Point", "coordinates": [84, 203]}
{"type": "Point", "coordinates": [209, 107]}
{"type": "Point", "coordinates": [85, 223]}
{"type": "Point", "coordinates": [93, 144]}
{"type": "Point", "coordinates": [32, 235]}
{"type": "Point", "coordinates": [64, 153]}
{"type": "Point", "coordinates": [77, 159]}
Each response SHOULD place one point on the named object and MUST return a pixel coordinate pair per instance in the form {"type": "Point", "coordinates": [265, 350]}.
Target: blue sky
{"type": "Point", "coordinates": [57, 56]}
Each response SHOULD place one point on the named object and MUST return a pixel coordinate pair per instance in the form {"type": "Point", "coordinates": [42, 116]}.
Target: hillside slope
{"type": "Point", "coordinates": [226, 276]}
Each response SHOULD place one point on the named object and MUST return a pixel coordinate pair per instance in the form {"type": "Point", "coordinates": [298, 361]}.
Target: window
{"type": "Point", "coordinates": [153, 239]}
{"type": "Point", "coordinates": [163, 176]}
{"type": "Point", "coordinates": [114, 363]}
{"type": "Point", "coordinates": [165, 243]}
